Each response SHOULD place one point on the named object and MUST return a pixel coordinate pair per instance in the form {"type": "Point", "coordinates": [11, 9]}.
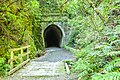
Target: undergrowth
{"type": "Point", "coordinates": [17, 17]}
{"type": "Point", "coordinates": [95, 40]}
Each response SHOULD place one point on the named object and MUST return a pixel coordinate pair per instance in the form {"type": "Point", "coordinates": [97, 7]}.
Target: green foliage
{"type": "Point", "coordinates": [108, 76]}
{"type": "Point", "coordinates": [3, 66]}
{"type": "Point", "coordinates": [95, 38]}
{"type": "Point", "coordinates": [17, 17]}
{"type": "Point", "coordinates": [112, 66]}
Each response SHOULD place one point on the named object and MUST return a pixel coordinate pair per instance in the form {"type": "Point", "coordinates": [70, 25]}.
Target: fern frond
{"type": "Point", "coordinates": [81, 65]}
{"type": "Point", "coordinates": [83, 75]}
{"type": "Point", "coordinates": [94, 53]}
{"type": "Point", "coordinates": [113, 53]}
{"type": "Point", "coordinates": [108, 76]}
{"type": "Point", "coordinates": [112, 65]}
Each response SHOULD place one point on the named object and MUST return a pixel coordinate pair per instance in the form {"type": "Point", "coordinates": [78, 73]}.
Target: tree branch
{"type": "Point", "coordinates": [98, 2]}
{"type": "Point", "coordinates": [62, 6]}
{"type": "Point", "coordinates": [64, 3]}
{"type": "Point", "coordinates": [96, 10]}
{"type": "Point", "coordinates": [12, 3]}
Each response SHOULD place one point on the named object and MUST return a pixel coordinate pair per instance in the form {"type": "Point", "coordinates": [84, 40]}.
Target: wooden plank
{"type": "Point", "coordinates": [41, 73]}
{"type": "Point", "coordinates": [15, 58]}
{"type": "Point", "coordinates": [21, 59]}
{"type": "Point", "coordinates": [45, 69]}
{"type": "Point", "coordinates": [11, 63]}
{"type": "Point", "coordinates": [16, 49]}
{"type": "Point", "coordinates": [67, 68]}
{"type": "Point", "coordinates": [18, 67]}
{"type": "Point", "coordinates": [28, 54]}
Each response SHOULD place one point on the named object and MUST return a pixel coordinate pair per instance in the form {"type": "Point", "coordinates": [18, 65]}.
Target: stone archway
{"type": "Point", "coordinates": [53, 36]}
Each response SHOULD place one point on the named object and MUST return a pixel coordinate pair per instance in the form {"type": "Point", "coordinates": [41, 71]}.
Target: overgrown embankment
{"type": "Point", "coordinates": [95, 38]}
{"type": "Point", "coordinates": [17, 18]}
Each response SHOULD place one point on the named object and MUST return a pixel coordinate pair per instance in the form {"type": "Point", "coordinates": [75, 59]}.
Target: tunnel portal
{"type": "Point", "coordinates": [53, 36]}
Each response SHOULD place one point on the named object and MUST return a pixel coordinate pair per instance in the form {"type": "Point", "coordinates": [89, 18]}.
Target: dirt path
{"type": "Point", "coordinates": [51, 66]}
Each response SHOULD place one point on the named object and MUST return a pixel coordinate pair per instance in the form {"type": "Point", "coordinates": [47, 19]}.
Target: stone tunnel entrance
{"type": "Point", "coordinates": [53, 36]}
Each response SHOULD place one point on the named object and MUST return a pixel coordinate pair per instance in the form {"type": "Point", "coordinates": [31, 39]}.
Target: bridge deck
{"type": "Point", "coordinates": [48, 67]}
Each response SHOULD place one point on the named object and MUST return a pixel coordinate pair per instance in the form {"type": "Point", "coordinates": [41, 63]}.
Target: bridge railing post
{"type": "Point", "coordinates": [28, 52]}
{"type": "Point", "coordinates": [11, 62]}
{"type": "Point", "coordinates": [21, 59]}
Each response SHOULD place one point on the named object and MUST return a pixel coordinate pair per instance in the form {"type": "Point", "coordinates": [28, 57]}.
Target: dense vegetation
{"type": "Point", "coordinates": [17, 17]}
{"type": "Point", "coordinates": [95, 38]}
{"type": "Point", "coordinates": [95, 35]}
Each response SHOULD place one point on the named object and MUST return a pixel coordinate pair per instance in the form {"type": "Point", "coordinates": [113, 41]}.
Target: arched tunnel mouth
{"type": "Point", "coordinates": [53, 36]}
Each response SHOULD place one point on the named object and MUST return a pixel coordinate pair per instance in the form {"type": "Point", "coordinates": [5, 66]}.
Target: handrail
{"type": "Point", "coordinates": [16, 49]}
{"type": "Point", "coordinates": [21, 55]}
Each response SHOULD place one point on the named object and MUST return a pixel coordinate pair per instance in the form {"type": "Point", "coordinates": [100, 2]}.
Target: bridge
{"type": "Point", "coordinates": [51, 66]}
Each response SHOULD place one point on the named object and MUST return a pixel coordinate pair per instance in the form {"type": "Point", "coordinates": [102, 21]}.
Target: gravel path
{"type": "Point", "coordinates": [56, 54]}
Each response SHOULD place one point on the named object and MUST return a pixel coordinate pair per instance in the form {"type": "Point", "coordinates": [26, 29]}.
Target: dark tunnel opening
{"type": "Point", "coordinates": [53, 36]}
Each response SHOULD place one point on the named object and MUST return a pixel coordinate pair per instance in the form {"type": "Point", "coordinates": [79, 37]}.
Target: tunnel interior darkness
{"type": "Point", "coordinates": [52, 36]}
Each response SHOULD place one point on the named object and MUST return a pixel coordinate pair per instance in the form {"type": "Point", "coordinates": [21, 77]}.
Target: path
{"type": "Point", "coordinates": [51, 66]}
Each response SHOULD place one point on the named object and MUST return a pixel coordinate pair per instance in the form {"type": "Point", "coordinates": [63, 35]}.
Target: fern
{"type": "Point", "coordinates": [113, 53]}
{"type": "Point", "coordinates": [108, 76]}
{"type": "Point", "coordinates": [113, 65]}
{"type": "Point", "coordinates": [83, 75]}
{"type": "Point", "coordinates": [80, 65]}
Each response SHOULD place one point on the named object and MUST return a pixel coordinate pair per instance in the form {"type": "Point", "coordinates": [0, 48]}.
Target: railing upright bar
{"type": "Point", "coordinates": [27, 54]}
{"type": "Point", "coordinates": [11, 62]}
{"type": "Point", "coordinates": [21, 59]}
